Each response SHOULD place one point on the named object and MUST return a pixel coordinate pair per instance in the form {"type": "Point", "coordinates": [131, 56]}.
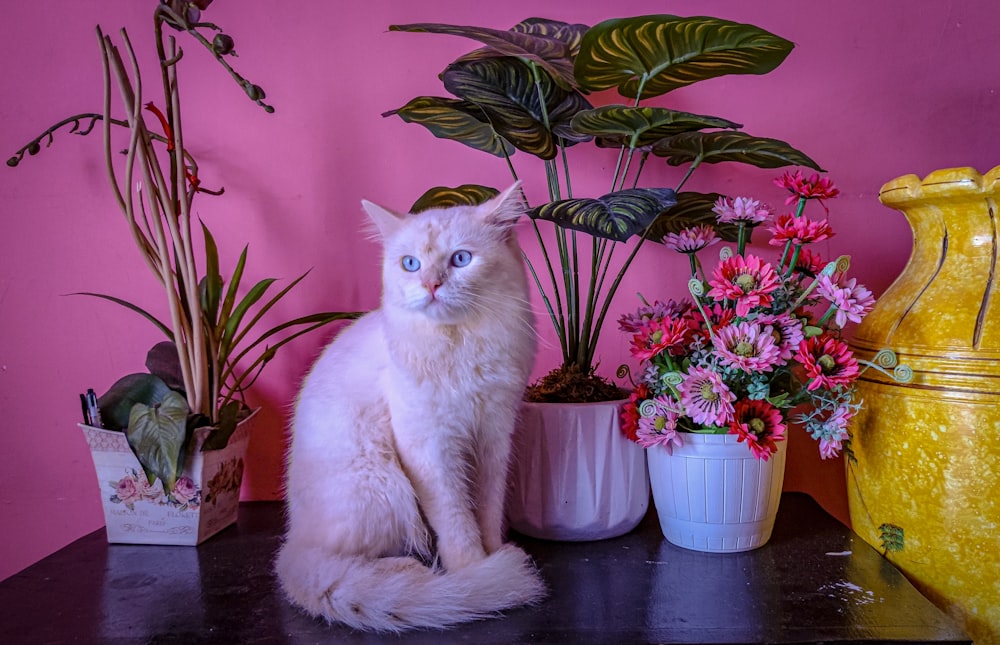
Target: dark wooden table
{"type": "Point", "coordinates": [815, 581]}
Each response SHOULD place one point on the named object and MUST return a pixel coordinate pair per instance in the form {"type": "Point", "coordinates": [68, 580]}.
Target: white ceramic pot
{"type": "Point", "coordinates": [574, 475]}
{"type": "Point", "coordinates": [712, 494]}
{"type": "Point", "coordinates": [204, 501]}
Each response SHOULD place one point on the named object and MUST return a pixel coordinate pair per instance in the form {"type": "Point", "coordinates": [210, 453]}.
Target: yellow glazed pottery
{"type": "Point", "coordinates": [923, 475]}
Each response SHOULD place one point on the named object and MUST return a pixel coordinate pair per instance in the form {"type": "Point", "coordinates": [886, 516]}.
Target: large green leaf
{"type": "Point", "coordinates": [116, 404]}
{"type": "Point", "coordinates": [636, 127]}
{"type": "Point", "coordinates": [210, 287]}
{"type": "Point", "coordinates": [454, 119]}
{"type": "Point", "coordinates": [691, 209]}
{"type": "Point", "coordinates": [505, 90]}
{"type": "Point", "coordinates": [616, 216]}
{"type": "Point", "coordinates": [648, 56]}
{"type": "Point", "coordinates": [714, 147]}
{"type": "Point", "coordinates": [537, 44]}
{"type": "Point", "coordinates": [445, 197]}
{"type": "Point", "coordinates": [156, 434]}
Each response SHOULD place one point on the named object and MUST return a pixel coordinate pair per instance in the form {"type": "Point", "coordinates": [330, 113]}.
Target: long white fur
{"type": "Point", "coordinates": [402, 435]}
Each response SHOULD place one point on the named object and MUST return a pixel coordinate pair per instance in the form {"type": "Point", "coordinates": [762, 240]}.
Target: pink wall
{"type": "Point", "coordinates": [873, 90]}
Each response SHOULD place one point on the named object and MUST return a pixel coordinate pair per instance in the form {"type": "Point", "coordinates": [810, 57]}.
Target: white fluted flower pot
{"type": "Point", "coordinates": [574, 475]}
{"type": "Point", "coordinates": [712, 494]}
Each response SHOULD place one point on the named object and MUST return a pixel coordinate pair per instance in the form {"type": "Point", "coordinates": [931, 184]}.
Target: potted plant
{"type": "Point", "coordinates": [723, 374]}
{"type": "Point", "coordinates": [169, 456]}
{"type": "Point", "coordinates": [525, 91]}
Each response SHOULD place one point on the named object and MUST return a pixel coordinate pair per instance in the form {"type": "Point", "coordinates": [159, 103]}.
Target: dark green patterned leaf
{"type": "Point", "coordinates": [568, 34]}
{"type": "Point", "coordinates": [456, 120]}
{"type": "Point", "coordinates": [713, 147]}
{"type": "Point", "coordinates": [648, 56]}
{"type": "Point", "coordinates": [641, 126]}
{"type": "Point", "coordinates": [504, 88]}
{"type": "Point", "coordinates": [691, 209]}
{"type": "Point", "coordinates": [616, 216]}
{"type": "Point", "coordinates": [445, 197]}
{"type": "Point", "coordinates": [544, 49]}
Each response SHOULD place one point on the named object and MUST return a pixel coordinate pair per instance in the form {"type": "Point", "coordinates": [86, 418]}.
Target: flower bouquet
{"type": "Point", "coordinates": [757, 340]}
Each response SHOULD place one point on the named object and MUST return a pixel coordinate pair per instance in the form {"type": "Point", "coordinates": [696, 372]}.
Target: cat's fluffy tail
{"type": "Point", "coordinates": [394, 594]}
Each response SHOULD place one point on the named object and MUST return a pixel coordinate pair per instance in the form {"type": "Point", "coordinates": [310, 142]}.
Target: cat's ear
{"type": "Point", "coordinates": [384, 219]}
{"type": "Point", "coordinates": [506, 208]}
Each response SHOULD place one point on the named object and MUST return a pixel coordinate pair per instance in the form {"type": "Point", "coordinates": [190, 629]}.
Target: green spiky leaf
{"type": "Point", "coordinates": [548, 52]}
{"type": "Point", "coordinates": [454, 119]}
{"type": "Point", "coordinates": [616, 216]}
{"type": "Point", "coordinates": [504, 88]}
{"type": "Point", "coordinates": [445, 197]}
{"type": "Point", "coordinates": [636, 127]}
{"type": "Point", "coordinates": [715, 147]}
{"type": "Point", "coordinates": [691, 209]}
{"type": "Point", "coordinates": [157, 434]}
{"type": "Point", "coordinates": [647, 56]}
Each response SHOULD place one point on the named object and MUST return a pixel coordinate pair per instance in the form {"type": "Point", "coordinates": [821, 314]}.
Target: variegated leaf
{"type": "Point", "coordinates": [504, 88]}
{"type": "Point", "coordinates": [641, 126]}
{"type": "Point", "coordinates": [446, 197]}
{"type": "Point", "coordinates": [648, 56]}
{"type": "Point", "coordinates": [714, 147]}
{"type": "Point", "coordinates": [454, 119]}
{"type": "Point", "coordinates": [550, 53]}
{"type": "Point", "coordinates": [691, 209]}
{"type": "Point", "coordinates": [616, 216]}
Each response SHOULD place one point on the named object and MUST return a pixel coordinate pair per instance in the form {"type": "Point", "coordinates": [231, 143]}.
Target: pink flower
{"type": "Point", "coordinates": [742, 209]}
{"type": "Point", "coordinates": [834, 432]}
{"type": "Point", "coordinates": [706, 399]}
{"type": "Point", "coordinates": [852, 300]}
{"type": "Point", "coordinates": [633, 323]}
{"type": "Point", "coordinates": [813, 188]}
{"type": "Point", "coordinates": [691, 240]}
{"type": "Point", "coordinates": [747, 347]}
{"type": "Point", "coordinates": [718, 316]}
{"type": "Point", "coordinates": [759, 424]}
{"type": "Point", "coordinates": [184, 491]}
{"type": "Point", "coordinates": [665, 335]}
{"type": "Point", "coordinates": [828, 362]}
{"type": "Point", "coordinates": [128, 491]}
{"type": "Point", "coordinates": [799, 230]}
{"type": "Point", "coordinates": [787, 331]}
{"type": "Point", "coordinates": [659, 429]}
{"type": "Point", "coordinates": [747, 281]}
{"type": "Point", "coordinates": [630, 411]}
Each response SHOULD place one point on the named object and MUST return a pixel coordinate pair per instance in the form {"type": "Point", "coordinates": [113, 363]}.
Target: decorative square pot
{"type": "Point", "coordinates": [204, 500]}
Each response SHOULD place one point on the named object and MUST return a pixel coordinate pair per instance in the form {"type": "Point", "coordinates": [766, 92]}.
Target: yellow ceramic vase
{"type": "Point", "coordinates": [923, 475]}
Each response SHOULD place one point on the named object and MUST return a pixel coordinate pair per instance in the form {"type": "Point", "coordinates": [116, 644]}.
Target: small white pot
{"type": "Point", "coordinates": [712, 494]}
{"type": "Point", "coordinates": [199, 507]}
{"type": "Point", "coordinates": [574, 475]}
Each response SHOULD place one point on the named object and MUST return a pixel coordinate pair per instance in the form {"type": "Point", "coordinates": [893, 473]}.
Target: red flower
{"type": "Point", "coordinates": [815, 187]}
{"type": "Point", "coordinates": [667, 334]}
{"type": "Point", "coordinates": [799, 230]}
{"type": "Point", "coordinates": [630, 411]}
{"type": "Point", "coordinates": [829, 363]}
{"type": "Point", "coordinates": [759, 424]}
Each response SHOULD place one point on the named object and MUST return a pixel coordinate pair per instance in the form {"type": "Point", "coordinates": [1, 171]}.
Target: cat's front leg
{"type": "Point", "coordinates": [437, 462]}
{"type": "Point", "coordinates": [493, 458]}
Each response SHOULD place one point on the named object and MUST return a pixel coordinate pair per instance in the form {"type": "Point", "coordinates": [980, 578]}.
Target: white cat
{"type": "Point", "coordinates": [402, 433]}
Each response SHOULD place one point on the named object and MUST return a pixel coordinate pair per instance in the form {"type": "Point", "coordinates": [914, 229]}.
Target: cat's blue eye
{"type": "Point", "coordinates": [461, 258]}
{"type": "Point", "coordinates": [410, 263]}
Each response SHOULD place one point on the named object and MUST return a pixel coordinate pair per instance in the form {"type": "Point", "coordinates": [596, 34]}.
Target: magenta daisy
{"type": "Point", "coordinates": [834, 432]}
{"type": "Point", "coordinates": [741, 209]}
{"type": "Point", "coordinates": [851, 300]}
{"type": "Point", "coordinates": [828, 362]}
{"type": "Point", "coordinates": [787, 332]}
{"type": "Point", "coordinates": [747, 281]}
{"type": "Point", "coordinates": [660, 428]}
{"type": "Point", "coordinates": [748, 347]}
{"type": "Point", "coordinates": [706, 399]}
{"type": "Point", "coordinates": [691, 240]}
{"type": "Point", "coordinates": [815, 187]}
{"type": "Point", "coordinates": [759, 424]}
{"type": "Point", "coordinates": [799, 230]}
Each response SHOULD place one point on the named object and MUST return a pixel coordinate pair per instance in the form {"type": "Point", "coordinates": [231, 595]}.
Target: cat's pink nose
{"type": "Point", "coordinates": [431, 286]}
